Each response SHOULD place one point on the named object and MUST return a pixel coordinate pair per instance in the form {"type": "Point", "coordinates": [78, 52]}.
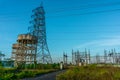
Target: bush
{"type": "Point", "coordinates": [25, 74]}
{"type": "Point", "coordinates": [8, 76]}
{"type": "Point", "coordinates": [91, 73]}
{"type": "Point", "coordinates": [7, 73]}
{"type": "Point", "coordinates": [26, 71]}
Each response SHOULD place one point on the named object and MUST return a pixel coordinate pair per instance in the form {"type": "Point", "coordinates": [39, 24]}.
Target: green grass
{"type": "Point", "coordinates": [10, 74]}
{"type": "Point", "coordinates": [32, 73]}
{"type": "Point", "coordinates": [26, 71]}
{"type": "Point", "coordinates": [91, 73]}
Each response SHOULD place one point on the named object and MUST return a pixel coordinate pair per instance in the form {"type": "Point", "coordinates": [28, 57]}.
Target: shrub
{"type": "Point", "coordinates": [91, 73]}
{"type": "Point", "coordinates": [26, 71]}
{"type": "Point", "coordinates": [25, 74]}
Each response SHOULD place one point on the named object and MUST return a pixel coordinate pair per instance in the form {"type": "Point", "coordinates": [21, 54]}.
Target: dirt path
{"type": "Point", "coordinates": [49, 76]}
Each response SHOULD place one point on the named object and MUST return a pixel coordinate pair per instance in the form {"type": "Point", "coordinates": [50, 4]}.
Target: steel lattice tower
{"type": "Point", "coordinates": [38, 29]}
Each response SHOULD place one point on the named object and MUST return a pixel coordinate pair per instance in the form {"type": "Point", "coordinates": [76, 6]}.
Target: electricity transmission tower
{"type": "Point", "coordinates": [38, 29]}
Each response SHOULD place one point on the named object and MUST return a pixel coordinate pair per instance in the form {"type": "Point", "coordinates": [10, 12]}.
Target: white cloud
{"type": "Point", "coordinates": [112, 41]}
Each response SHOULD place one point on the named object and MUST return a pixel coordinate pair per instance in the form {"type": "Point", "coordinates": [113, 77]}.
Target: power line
{"type": "Point", "coordinates": [84, 32]}
{"type": "Point", "coordinates": [78, 14]}
{"type": "Point", "coordinates": [88, 6]}
{"type": "Point", "coordinates": [78, 39]}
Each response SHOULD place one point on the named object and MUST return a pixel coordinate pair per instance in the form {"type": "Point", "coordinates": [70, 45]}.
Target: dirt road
{"type": "Point", "coordinates": [49, 76]}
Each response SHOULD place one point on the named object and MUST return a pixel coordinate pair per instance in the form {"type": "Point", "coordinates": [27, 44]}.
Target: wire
{"type": "Point", "coordinates": [95, 12]}
{"type": "Point", "coordinates": [86, 32]}
{"type": "Point", "coordinates": [88, 6]}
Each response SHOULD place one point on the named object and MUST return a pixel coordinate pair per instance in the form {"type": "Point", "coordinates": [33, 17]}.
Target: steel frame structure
{"type": "Point", "coordinates": [24, 51]}
{"type": "Point", "coordinates": [38, 29]}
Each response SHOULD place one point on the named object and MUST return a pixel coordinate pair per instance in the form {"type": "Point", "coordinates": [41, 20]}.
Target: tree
{"type": "Point", "coordinates": [1, 55]}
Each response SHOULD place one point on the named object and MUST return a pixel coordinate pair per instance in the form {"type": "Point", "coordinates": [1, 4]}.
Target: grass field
{"type": "Point", "coordinates": [91, 72]}
{"type": "Point", "coordinates": [27, 71]}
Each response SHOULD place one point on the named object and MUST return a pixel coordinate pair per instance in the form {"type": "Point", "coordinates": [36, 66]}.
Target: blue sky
{"type": "Point", "coordinates": [70, 24]}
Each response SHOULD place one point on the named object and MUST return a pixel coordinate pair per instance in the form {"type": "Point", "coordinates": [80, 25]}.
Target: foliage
{"type": "Point", "coordinates": [24, 74]}
{"type": "Point", "coordinates": [26, 71]}
{"type": "Point", "coordinates": [7, 73]}
{"type": "Point", "coordinates": [92, 72]}
{"type": "Point", "coordinates": [38, 66]}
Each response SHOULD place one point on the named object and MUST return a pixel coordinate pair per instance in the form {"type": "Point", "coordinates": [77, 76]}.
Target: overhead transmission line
{"type": "Point", "coordinates": [88, 6]}
{"type": "Point", "coordinates": [94, 12]}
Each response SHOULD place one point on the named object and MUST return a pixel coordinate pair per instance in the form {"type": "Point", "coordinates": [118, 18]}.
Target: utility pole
{"type": "Point", "coordinates": [65, 58]}
{"type": "Point", "coordinates": [105, 56]}
{"type": "Point", "coordinates": [89, 57]}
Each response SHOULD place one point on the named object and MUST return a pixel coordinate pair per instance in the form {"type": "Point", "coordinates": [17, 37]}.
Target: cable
{"type": "Point", "coordinates": [80, 8]}
{"type": "Point", "coordinates": [86, 13]}
{"type": "Point", "coordinates": [88, 6]}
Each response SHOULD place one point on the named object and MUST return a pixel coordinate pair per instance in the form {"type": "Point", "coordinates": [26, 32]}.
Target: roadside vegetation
{"type": "Point", "coordinates": [91, 72]}
{"type": "Point", "coordinates": [26, 71]}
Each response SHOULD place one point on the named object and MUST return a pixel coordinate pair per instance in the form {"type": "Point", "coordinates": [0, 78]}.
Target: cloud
{"type": "Point", "coordinates": [110, 41]}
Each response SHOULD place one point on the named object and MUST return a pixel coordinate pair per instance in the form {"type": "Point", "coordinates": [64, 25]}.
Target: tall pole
{"type": "Point", "coordinates": [38, 29]}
